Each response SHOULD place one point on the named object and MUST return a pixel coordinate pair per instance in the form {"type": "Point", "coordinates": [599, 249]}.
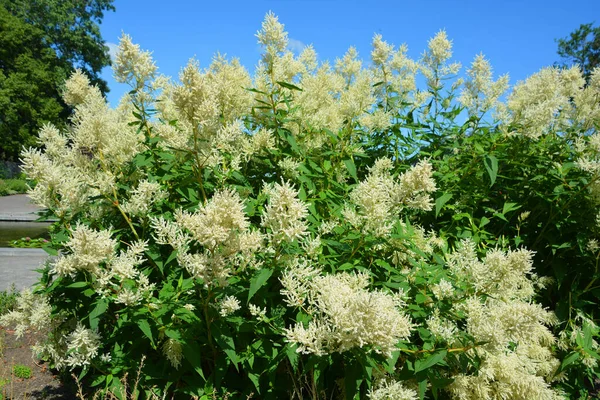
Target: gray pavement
{"type": "Point", "coordinates": [17, 266]}
{"type": "Point", "coordinates": [17, 208]}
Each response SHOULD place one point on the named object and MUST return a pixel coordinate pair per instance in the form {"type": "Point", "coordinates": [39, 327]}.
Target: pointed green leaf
{"type": "Point", "coordinates": [568, 360]}
{"type": "Point", "coordinates": [191, 352]}
{"type": "Point", "coordinates": [145, 328]}
{"type": "Point", "coordinates": [421, 365]}
{"type": "Point", "coordinates": [510, 207]}
{"type": "Point", "coordinates": [351, 168]}
{"type": "Point", "coordinates": [441, 201]}
{"type": "Point", "coordinates": [288, 86]}
{"type": "Point", "coordinates": [491, 165]}
{"type": "Point", "coordinates": [258, 281]}
{"type": "Point", "coordinates": [101, 307]}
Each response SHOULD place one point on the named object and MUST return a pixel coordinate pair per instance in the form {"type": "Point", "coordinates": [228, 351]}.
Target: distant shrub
{"type": "Point", "coordinates": [13, 186]}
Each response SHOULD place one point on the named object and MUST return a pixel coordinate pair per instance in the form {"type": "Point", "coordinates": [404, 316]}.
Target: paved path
{"type": "Point", "coordinates": [17, 208]}
{"type": "Point", "coordinates": [17, 266]}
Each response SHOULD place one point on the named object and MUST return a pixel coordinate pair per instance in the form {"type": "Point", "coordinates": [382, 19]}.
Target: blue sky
{"type": "Point", "coordinates": [517, 36]}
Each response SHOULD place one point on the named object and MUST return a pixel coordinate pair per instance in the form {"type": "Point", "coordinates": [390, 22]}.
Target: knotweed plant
{"type": "Point", "coordinates": [274, 236]}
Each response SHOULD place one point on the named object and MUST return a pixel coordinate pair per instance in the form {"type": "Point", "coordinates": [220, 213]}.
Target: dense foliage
{"type": "Point", "coordinates": [323, 230]}
{"type": "Point", "coordinates": [41, 42]}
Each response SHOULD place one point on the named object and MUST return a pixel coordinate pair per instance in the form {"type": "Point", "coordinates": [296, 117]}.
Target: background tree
{"type": "Point", "coordinates": [41, 42]}
{"type": "Point", "coordinates": [582, 47]}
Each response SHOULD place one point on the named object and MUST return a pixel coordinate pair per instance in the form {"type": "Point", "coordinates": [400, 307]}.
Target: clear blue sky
{"type": "Point", "coordinates": [517, 36]}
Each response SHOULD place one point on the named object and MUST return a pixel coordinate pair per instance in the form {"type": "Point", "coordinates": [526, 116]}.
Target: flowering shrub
{"type": "Point", "coordinates": [275, 236]}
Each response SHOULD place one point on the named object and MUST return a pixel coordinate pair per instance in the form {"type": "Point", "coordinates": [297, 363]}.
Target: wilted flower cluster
{"type": "Point", "coordinates": [172, 350]}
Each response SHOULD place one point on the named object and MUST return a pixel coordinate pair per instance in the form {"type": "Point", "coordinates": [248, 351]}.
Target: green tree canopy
{"type": "Point", "coordinates": [582, 47]}
{"type": "Point", "coordinates": [41, 42]}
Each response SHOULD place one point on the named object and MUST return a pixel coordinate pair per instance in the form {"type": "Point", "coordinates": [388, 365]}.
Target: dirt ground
{"type": "Point", "coordinates": [46, 385]}
{"type": "Point", "coordinates": [43, 384]}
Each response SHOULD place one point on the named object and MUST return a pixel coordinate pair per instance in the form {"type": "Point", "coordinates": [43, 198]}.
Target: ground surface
{"type": "Point", "coordinates": [17, 265]}
{"type": "Point", "coordinates": [43, 384]}
{"type": "Point", "coordinates": [17, 208]}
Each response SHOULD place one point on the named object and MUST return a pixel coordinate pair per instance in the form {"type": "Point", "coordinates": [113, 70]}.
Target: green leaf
{"type": "Point", "coordinates": [292, 355]}
{"type": "Point", "coordinates": [101, 307]}
{"type": "Point", "coordinates": [77, 285]}
{"type": "Point", "coordinates": [288, 86]}
{"type": "Point", "coordinates": [351, 168]}
{"type": "Point", "coordinates": [353, 380]}
{"type": "Point", "coordinates": [345, 266]}
{"type": "Point", "coordinates": [225, 341]}
{"type": "Point", "coordinates": [258, 281]}
{"type": "Point", "coordinates": [50, 250]}
{"type": "Point", "coordinates": [491, 165]}
{"type": "Point", "coordinates": [510, 207]}
{"type": "Point", "coordinates": [587, 336]}
{"type": "Point", "coordinates": [592, 353]}
{"type": "Point", "coordinates": [191, 352]}
{"type": "Point", "coordinates": [440, 201]}
{"type": "Point", "coordinates": [422, 389]}
{"type": "Point", "coordinates": [145, 328]}
{"type": "Point", "coordinates": [98, 380]}
{"type": "Point", "coordinates": [421, 365]}
{"type": "Point", "coordinates": [292, 141]}
{"type": "Point", "coordinates": [255, 380]}
{"type": "Point", "coordinates": [568, 360]}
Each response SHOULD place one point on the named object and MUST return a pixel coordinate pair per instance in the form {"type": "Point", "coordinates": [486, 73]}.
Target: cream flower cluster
{"type": "Point", "coordinates": [480, 93]}
{"type": "Point", "coordinates": [503, 275]}
{"type": "Point", "coordinates": [434, 61]}
{"type": "Point", "coordinates": [133, 64]}
{"type": "Point", "coordinates": [143, 197]}
{"type": "Point", "coordinates": [284, 214]}
{"type": "Point", "coordinates": [516, 350]}
{"type": "Point", "coordinates": [88, 249]}
{"type": "Point", "coordinates": [86, 160]}
{"type": "Point", "coordinates": [74, 349]}
{"type": "Point", "coordinates": [345, 313]}
{"type": "Point", "coordinates": [387, 390]}
{"type": "Point", "coordinates": [32, 311]}
{"type": "Point", "coordinates": [220, 227]}
{"type": "Point", "coordinates": [82, 346]}
{"type": "Point", "coordinates": [206, 106]}
{"type": "Point", "coordinates": [95, 252]}
{"type": "Point", "coordinates": [543, 102]}
{"type": "Point", "coordinates": [380, 196]}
